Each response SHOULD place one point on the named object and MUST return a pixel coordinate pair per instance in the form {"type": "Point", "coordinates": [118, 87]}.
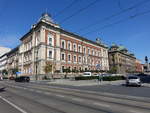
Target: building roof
{"type": "Point", "coordinates": [121, 49]}
{"type": "Point", "coordinates": [40, 23]}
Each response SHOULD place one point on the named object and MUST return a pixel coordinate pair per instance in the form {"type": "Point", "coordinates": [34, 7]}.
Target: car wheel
{"type": "Point", "coordinates": [127, 85]}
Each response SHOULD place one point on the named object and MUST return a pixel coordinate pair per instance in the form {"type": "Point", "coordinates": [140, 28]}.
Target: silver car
{"type": "Point", "coordinates": [133, 80]}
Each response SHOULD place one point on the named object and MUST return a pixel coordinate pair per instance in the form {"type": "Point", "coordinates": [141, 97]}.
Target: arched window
{"type": "Point", "coordinates": [63, 44]}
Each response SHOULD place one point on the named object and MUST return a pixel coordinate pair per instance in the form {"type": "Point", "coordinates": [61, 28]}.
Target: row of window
{"type": "Point", "coordinates": [74, 47]}
{"type": "Point", "coordinates": [27, 70]}
{"type": "Point", "coordinates": [27, 46]}
{"type": "Point", "coordinates": [80, 59]}
{"type": "Point", "coordinates": [27, 58]}
{"type": "Point", "coordinates": [76, 68]}
{"type": "Point", "coordinates": [81, 49]}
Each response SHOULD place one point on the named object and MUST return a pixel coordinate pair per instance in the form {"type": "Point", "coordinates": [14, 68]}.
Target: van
{"type": "Point", "coordinates": [87, 74]}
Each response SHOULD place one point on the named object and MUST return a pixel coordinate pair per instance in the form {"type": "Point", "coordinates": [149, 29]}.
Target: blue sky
{"type": "Point", "coordinates": [17, 16]}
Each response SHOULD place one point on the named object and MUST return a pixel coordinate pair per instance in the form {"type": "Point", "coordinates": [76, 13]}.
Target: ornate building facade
{"type": "Point", "coordinates": [121, 60]}
{"type": "Point", "coordinates": [47, 42]}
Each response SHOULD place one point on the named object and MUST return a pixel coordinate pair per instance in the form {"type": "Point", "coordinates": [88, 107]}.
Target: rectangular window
{"type": "Point", "coordinates": [50, 41]}
{"type": "Point", "coordinates": [92, 52]}
{"type": "Point", "coordinates": [88, 51]}
{"type": "Point", "coordinates": [62, 56]}
{"type": "Point", "coordinates": [84, 50]}
{"type": "Point", "coordinates": [50, 54]}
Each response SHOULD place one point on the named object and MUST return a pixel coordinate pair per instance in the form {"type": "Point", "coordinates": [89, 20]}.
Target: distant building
{"type": "Point", "coordinates": [46, 42]}
{"type": "Point", "coordinates": [3, 59]}
{"type": "Point", "coordinates": [3, 63]}
{"type": "Point", "coordinates": [12, 61]}
{"type": "Point", "coordinates": [138, 66]}
{"type": "Point", "coordinates": [120, 60]}
{"type": "Point", "coordinates": [4, 50]}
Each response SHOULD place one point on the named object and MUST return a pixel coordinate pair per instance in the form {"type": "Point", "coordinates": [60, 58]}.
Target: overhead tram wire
{"type": "Point", "coordinates": [118, 22]}
{"type": "Point", "coordinates": [113, 15]}
{"type": "Point", "coordinates": [67, 7]}
{"type": "Point", "coordinates": [79, 11]}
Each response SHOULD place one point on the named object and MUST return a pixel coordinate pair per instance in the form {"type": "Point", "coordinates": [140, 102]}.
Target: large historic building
{"type": "Point", "coordinates": [46, 42]}
{"type": "Point", "coordinates": [120, 60]}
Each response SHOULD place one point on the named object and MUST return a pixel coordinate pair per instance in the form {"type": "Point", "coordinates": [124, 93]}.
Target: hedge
{"type": "Point", "coordinates": [5, 77]}
{"type": "Point", "coordinates": [106, 78]}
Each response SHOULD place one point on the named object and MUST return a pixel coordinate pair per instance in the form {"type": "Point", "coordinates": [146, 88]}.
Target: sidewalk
{"type": "Point", "coordinates": [81, 82]}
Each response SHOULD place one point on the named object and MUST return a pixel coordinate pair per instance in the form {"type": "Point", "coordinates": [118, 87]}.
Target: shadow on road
{"type": "Point", "coordinates": [2, 89]}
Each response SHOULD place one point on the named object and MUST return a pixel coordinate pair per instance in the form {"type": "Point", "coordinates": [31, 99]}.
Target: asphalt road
{"type": "Point", "coordinates": [143, 91]}
{"type": "Point", "coordinates": [37, 98]}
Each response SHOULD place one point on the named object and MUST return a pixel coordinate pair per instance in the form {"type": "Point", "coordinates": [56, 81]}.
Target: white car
{"type": "Point", "coordinates": [133, 80]}
{"type": "Point", "coordinates": [1, 78]}
{"type": "Point", "coordinates": [87, 74]}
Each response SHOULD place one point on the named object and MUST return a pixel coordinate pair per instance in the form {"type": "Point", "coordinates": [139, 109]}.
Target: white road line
{"type": "Point", "coordinates": [138, 111]}
{"type": "Point", "coordinates": [60, 95]}
{"type": "Point", "coordinates": [38, 91]}
{"type": "Point", "coordinates": [101, 104]}
{"type": "Point", "coordinates": [134, 111]}
{"type": "Point", "coordinates": [31, 89]}
{"type": "Point", "coordinates": [104, 93]}
{"type": "Point", "coordinates": [47, 93]}
{"type": "Point", "coordinates": [13, 105]}
{"type": "Point", "coordinates": [77, 99]}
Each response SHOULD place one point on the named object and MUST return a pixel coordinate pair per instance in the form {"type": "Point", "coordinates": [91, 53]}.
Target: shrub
{"type": "Point", "coordinates": [108, 78]}
{"type": "Point", "coordinates": [5, 77]}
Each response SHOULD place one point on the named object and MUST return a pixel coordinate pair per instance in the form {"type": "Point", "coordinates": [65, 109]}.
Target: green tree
{"type": "Point", "coordinates": [67, 70]}
{"type": "Point", "coordinates": [113, 70]}
{"type": "Point", "coordinates": [14, 71]}
{"type": "Point", "coordinates": [48, 69]}
{"type": "Point", "coordinates": [4, 72]}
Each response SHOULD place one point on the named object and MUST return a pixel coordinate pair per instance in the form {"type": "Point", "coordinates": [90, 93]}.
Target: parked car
{"type": "Point", "coordinates": [11, 78]}
{"type": "Point", "coordinates": [145, 78]}
{"type": "Point", "coordinates": [22, 79]}
{"type": "Point", "coordinates": [133, 80]}
{"type": "Point", "coordinates": [87, 74]}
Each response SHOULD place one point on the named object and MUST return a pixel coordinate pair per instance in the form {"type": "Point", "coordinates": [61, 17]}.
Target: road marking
{"type": "Point", "coordinates": [60, 95]}
{"type": "Point", "coordinates": [103, 93]}
{"type": "Point", "coordinates": [77, 99]}
{"type": "Point", "coordinates": [100, 104]}
{"type": "Point", "coordinates": [47, 93]}
{"type": "Point", "coordinates": [13, 105]}
{"type": "Point", "coordinates": [31, 89]}
{"type": "Point", "coordinates": [38, 91]}
{"type": "Point", "coordinates": [134, 111]}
